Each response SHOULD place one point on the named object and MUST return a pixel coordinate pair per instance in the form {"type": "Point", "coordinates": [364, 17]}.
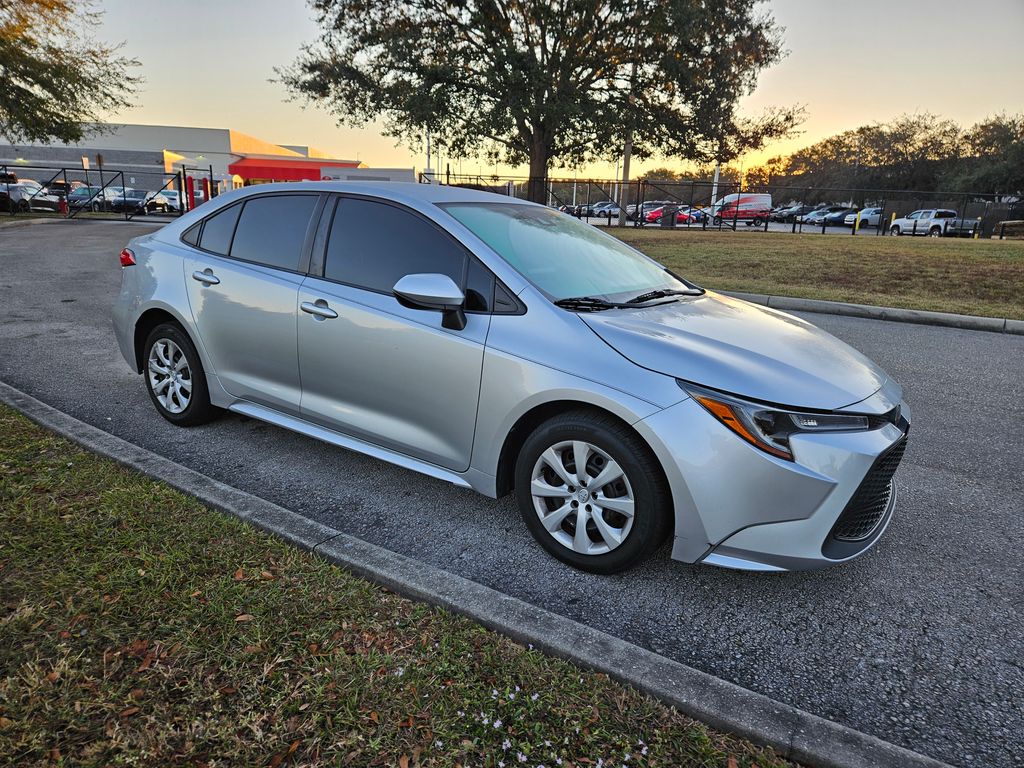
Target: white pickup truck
{"type": "Point", "coordinates": [933, 222]}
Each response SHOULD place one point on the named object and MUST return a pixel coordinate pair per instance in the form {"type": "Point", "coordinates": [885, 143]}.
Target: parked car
{"type": "Point", "coordinates": [139, 201]}
{"type": "Point", "coordinates": [837, 218]}
{"type": "Point", "coordinates": [606, 208]}
{"type": "Point", "coordinates": [790, 214]}
{"type": "Point", "coordinates": [695, 213]}
{"type": "Point", "coordinates": [172, 198]}
{"type": "Point", "coordinates": [93, 198]}
{"type": "Point", "coordinates": [29, 196]}
{"type": "Point", "coordinates": [654, 216]}
{"type": "Point", "coordinates": [62, 188]}
{"type": "Point", "coordinates": [869, 217]}
{"type": "Point", "coordinates": [750, 208]}
{"type": "Point", "coordinates": [816, 216]}
{"type": "Point", "coordinates": [933, 222]}
{"type": "Point", "coordinates": [502, 346]}
{"type": "Point", "coordinates": [645, 208]}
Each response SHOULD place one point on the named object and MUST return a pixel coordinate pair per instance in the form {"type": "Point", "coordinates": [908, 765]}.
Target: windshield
{"type": "Point", "coordinates": [559, 254]}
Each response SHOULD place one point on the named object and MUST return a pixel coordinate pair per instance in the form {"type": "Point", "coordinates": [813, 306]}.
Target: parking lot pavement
{"type": "Point", "coordinates": [920, 643]}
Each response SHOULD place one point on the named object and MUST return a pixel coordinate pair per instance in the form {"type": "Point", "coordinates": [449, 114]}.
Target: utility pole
{"type": "Point", "coordinates": [627, 149]}
{"type": "Point", "coordinates": [714, 183]}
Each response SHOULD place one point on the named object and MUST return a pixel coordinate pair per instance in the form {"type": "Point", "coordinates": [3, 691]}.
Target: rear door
{"type": "Point", "coordinates": [243, 282]}
{"type": "Point", "coordinates": [374, 368]}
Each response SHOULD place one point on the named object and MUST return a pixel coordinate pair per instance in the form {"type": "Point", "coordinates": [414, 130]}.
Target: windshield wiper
{"type": "Point", "coordinates": [662, 293]}
{"type": "Point", "coordinates": [587, 304]}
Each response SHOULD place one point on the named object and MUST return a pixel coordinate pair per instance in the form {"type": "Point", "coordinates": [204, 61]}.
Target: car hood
{"type": "Point", "coordinates": [748, 350]}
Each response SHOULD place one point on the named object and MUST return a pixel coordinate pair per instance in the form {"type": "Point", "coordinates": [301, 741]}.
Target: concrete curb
{"type": "Point", "coordinates": [793, 733]}
{"type": "Point", "coordinates": [892, 314]}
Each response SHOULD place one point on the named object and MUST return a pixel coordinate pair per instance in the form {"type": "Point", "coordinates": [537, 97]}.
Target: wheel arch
{"type": "Point", "coordinates": [149, 320]}
{"type": "Point", "coordinates": [533, 418]}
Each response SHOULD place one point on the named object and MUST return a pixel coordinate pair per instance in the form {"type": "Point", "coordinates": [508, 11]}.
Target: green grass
{"type": "Point", "coordinates": [974, 277]}
{"type": "Point", "coordinates": [138, 627]}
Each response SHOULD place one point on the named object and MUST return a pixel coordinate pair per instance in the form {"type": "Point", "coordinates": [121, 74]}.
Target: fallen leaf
{"type": "Point", "coordinates": [137, 693]}
{"type": "Point", "coordinates": [732, 762]}
{"type": "Point", "coordinates": [277, 759]}
{"type": "Point", "coordinates": [245, 617]}
{"type": "Point", "coordinates": [129, 711]}
{"type": "Point", "coordinates": [403, 761]}
{"type": "Point", "coordinates": [146, 662]}
{"type": "Point", "coordinates": [53, 676]}
{"type": "Point", "coordinates": [374, 716]}
{"type": "Point", "coordinates": [267, 575]}
{"type": "Point", "coordinates": [239, 574]}
{"type": "Point", "coordinates": [5, 723]}
{"type": "Point", "coordinates": [294, 746]}
{"type": "Point", "coordinates": [227, 690]}
{"type": "Point", "coordinates": [252, 649]}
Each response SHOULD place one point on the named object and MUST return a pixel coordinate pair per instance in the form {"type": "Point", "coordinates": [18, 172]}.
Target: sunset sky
{"type": "Point", "coordinates": [208, 63]}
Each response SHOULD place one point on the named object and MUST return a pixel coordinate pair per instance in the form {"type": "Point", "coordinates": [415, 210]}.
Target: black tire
{"type": "Point", "coordinates": [757, 222]}
{"type": "Point", "coordinates": [896, 231]}
{"type": "Point", "coordinates": [935, 232]}
{"type": "Point", "coordinates": [652, 517]}
{"type": "Point", "coordinates": [199, 409]}
{"type": "Point", "coordinates": [717, 221]}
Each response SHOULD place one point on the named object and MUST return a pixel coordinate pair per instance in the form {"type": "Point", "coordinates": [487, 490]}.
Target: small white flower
{"type": "Point", "coordinates": [643, 751]}
{"type": "Point", "coordinates": [558, 761]}
{"type": "Point", "coordinates": [517, 689]}
{"type": "Point", "coordinates": [487, 721]}
{"type": "Point", "coordinates": [521, 757]}
{"type": "Point", "coordinates": [511, 696]}
{"type": "Point", "coordinates": [497, 723]}
{"type": "Point", "coordinates": [535, 697]}
{"type": "Point", "coordinates": [626, 757]}
{"type": "Point", "coordinates": [501, 764]}
{"type": "Point", "coordinates": [547, 743]}
{"type": "Point", "coordinates": [400, 671]}
{"type": "Point", "coordinates": [506, 744]}
{"type": "Point", "coordinates": [438, 743]}
{"type": "Point", "coordinates": [494, 693]}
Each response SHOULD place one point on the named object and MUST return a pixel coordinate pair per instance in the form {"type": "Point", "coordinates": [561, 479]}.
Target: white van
{"type": "Point", "coordinates": [752, 208]}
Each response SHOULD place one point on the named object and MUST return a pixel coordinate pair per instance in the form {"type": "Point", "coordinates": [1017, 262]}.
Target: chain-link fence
{"type": "Point", "coordinates": [705, 204]}
{"type": "Point", "coordinates": [102, 191]}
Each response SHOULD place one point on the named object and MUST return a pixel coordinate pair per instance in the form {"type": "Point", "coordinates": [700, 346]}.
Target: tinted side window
{"type": "Point", "coordinates": [272, 229]}
{"type": "Point", "coordinates": [191, 235]}
{"type": "Point", "coordinates": [374, 245]}
{"type": "Point", "coordinates": [218, 229]}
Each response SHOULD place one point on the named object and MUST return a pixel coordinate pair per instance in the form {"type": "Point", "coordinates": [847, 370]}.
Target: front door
{"type": "Point", "coordinates": [243, 282]}
{"type": "Point", "coordinates": [380, 371]}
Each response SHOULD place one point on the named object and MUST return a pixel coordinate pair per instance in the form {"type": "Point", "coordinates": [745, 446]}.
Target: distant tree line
{"type": "Point", "coordinates": [916, 152]}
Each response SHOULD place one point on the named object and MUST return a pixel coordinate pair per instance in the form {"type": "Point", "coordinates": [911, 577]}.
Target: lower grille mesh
{"type": "Point", "coordinates": [868, 504]}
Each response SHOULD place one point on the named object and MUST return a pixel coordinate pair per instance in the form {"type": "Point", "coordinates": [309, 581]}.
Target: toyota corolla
{"type": "Point", "coordinates": [502, 346]}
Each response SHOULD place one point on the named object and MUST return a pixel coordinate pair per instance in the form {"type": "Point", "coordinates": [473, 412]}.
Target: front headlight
{"type": "Point", "coordinates": [767, 427]}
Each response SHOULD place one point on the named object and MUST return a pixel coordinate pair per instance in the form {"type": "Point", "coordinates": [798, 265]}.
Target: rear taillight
{"type": "Point", "coordinates": [127, 258]}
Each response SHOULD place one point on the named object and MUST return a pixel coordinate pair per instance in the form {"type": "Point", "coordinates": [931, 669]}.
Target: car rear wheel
{"type": "Point", "coordinates": [592, 493]}
{"type": "Point", "coordinates": [175, 378]}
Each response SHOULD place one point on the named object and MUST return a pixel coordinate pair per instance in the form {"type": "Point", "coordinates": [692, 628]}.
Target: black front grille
{"type": "Point", "coordinates": [868, 504]}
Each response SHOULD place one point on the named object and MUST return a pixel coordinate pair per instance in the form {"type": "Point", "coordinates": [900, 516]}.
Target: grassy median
{"type": "Point", "coordinates": [138, 627]}
{"type": "Point", "coordinates": [974, 277]}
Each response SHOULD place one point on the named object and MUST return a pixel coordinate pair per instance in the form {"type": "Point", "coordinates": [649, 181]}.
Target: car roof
{"type": "Point", "coordinates": [393, 190]}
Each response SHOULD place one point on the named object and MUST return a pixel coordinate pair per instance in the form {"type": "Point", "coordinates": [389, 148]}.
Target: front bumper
{"type": "Point", "coordinates": [739, 507]}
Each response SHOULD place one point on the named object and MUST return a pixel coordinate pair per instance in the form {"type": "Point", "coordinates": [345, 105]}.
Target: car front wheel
{"type": "Point", "coordinates": [592, 493]}
{"type": "Point", "coordinates": [175, 378]}
{"type": "Point", "coordinates": [895, 231]}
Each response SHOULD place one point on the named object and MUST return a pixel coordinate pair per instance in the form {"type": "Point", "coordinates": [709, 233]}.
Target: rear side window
{"type": "Point", "coordinates": [374, 245]}
{"type": "Point", "coordinates": [218, 229]}
{"type": "Point", "coordinates": [191, 235]}
{"type": "Point", "coordinates": [272, 230]}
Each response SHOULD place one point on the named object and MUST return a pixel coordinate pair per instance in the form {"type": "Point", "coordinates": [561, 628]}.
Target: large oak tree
{"type": "Point", "coordinates": [56, 80]}
{"type": "Point", "coordinates": [546, 82]}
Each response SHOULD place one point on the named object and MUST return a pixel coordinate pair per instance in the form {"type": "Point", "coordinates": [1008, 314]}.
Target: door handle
{"type": "Point", "coordinates": [318, 308]}
{"type": "Point", "coordinates": [206, 277]}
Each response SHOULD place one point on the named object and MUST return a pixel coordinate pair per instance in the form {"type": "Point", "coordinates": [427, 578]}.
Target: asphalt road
{"type": "Point", "coordinates": [920, 643]}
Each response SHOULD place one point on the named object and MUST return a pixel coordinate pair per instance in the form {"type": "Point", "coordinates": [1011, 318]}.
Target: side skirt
{"type": "Point", "coordinates": [344, 441]}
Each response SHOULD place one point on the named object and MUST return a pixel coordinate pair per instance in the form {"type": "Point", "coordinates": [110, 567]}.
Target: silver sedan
{"type": "Point", "coordinates": [502, 346]}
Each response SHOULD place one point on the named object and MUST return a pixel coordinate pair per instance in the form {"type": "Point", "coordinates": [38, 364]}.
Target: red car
{"type": "Point", "coordinates": [655, 216]}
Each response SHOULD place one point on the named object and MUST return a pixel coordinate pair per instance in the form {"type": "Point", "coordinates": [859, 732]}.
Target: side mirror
{"type": "Point", "coordinates": [435, 292]}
